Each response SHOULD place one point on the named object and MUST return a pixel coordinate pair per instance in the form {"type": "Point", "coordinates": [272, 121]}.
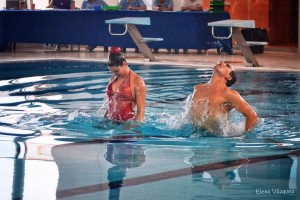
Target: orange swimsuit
{"type": "Point", "coordinates": [120, 102]}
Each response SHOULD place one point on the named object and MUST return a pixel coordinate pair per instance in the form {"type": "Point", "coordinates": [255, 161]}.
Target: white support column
{"type": "Point", "coordinates": [2, 4]}
{"type": "Point", "coordinates": [29, 3]}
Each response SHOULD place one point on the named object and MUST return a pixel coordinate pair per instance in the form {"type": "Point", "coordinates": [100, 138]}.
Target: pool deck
{"type": "Point", "coordinates": [286, 59]}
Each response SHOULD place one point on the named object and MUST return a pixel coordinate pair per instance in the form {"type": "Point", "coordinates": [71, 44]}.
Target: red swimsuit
{"type": "Point", "coordinates": [120, 101]}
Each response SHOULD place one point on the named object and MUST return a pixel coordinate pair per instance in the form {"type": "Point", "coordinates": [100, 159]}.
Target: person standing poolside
{"type": "Point", "coordinates": [125, 91]}
{"type": "Point", "coordinates": [211, 102]}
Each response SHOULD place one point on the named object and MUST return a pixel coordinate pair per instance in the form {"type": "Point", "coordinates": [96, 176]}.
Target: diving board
{"type": "Point", "coordinates": [234, 23]}
{"type": "Point", "coordinates": [235, 33]}
{"type": "Point", "coordinates": [130, 20]}
{"type": "Point", "coordinates": [130, 27]}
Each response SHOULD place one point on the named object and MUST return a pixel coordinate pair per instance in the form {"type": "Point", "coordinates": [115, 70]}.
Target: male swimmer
{"type": "Point", "coordinates": [211, 102]}
{"type": "Point", "coordinates": [126, 91]}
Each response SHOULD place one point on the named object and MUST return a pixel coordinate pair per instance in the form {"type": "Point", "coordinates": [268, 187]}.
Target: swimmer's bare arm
{"type": "Point", "coordinates": [243, 107]}
{"type": "Point", "coordinates": [140, 97]}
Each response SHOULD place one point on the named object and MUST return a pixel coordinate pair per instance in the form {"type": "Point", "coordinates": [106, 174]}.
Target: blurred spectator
{"type": "Point", "coordinates": [192, 5]}
{"type": "Point", "coordinates": [163, 5]}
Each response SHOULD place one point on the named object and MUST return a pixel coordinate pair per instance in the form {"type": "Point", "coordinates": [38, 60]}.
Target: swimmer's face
{"type": "Point", "coordinates": [118, 70]}
{"type": "Point", "coordinates": [224, 68]}
{"type": "Point", "coordinates": [115, 70]}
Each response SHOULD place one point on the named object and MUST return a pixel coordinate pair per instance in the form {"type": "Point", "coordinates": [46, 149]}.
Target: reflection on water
{"type": "Point", "coordinates": [123, 156]}
{"type": "Point", "coordinates": [87, 161]}
{"type": "Point", "coordinates": [128, 166]}
{"type": "Point", "coordinates": [111, 169]}
{"type": "Point", "coordinates": [18, 174]}
{"type": "Point", "coordinates": [237, 168]}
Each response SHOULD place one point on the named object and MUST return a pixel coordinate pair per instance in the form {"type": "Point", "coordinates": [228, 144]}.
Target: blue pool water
{"type": "Point", "coordinates": [88, 157]}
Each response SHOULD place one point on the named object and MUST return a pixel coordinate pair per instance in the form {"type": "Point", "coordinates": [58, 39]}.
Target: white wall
{"type": "Point", "coordinates": [40, 4]}
{"type": "Point", "coordinates": [2, 4]}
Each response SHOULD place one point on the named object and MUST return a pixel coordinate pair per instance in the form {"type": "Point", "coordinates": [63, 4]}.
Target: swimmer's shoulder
{"type": "Point", "coordinates": [232, 95]}
{"type": "Point", "coordinates": [229, 91]}
{"type": "Point", "coordinates": [199, 86]}
{"type": "Point", "coordinates": [138, 80]}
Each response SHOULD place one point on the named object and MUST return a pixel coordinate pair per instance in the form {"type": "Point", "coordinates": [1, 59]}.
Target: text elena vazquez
{"type": "Point", "coordinates": [275, 191]}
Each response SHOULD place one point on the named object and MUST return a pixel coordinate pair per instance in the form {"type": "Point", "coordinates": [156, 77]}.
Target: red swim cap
{"type": "Point", "coordinates": [115, 50]}
{"type": "Point", "coordinates": [115, 57]}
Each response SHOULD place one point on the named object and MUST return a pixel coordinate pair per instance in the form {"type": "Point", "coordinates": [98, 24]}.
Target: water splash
{"type": "Point", "coordinates": [230, 125]}
{"type": "Point", "coordinates": [180, 119]}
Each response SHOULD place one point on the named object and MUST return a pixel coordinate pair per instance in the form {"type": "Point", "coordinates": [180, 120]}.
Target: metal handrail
{"type": "Point", "coordinates": [221, 38]}
{"type": "Point", "coordinates": [109, 29]}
